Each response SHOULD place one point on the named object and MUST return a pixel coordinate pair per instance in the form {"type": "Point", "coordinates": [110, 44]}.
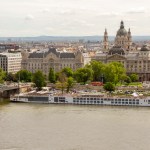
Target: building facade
{"type": "Point", "coordinates": [51, 58]}
{"type": "Point", "coordinates": [135, 61]}
{"type": "Point", "coordinates": [10, 62]}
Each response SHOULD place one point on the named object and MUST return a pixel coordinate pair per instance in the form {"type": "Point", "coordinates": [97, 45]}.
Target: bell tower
{"type": "Point", "coordinates": [105, 40]}
{"type": "Point", "coordinates": [129, 39]}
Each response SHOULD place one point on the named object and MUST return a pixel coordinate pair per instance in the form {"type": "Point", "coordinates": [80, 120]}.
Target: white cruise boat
{"type": "Point", "coordinates": [83, 99]}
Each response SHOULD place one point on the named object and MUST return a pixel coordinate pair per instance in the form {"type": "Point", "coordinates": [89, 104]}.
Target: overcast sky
{"type": "Point", "coordinates": [73, 17]}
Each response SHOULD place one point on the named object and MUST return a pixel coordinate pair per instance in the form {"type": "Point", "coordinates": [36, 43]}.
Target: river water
{"type": "Point", "coordinates": [73, 127]}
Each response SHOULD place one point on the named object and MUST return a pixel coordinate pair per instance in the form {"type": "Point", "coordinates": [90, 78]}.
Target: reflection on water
{"type": "Point", "coordinates": [73, 127]}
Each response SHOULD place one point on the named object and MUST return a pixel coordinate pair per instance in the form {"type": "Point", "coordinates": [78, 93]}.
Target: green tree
{"type": "Point", "coordinates": [109, 86]}
{"type": "Point", "coordinates": [2, 75]}
{"type": "Point", "coordinates": [24, 75]}
{"type": "Point", "coordinates": [10, 77]}
{"type": "Point", "coordinates": [113, 72]}
{"type": "Point", "coordinates": [134, 77]}
{"type": "Point", "coordinates": [128, 80]}
{"type": "Point", "coordinates": [39, 79]}
{"type": "Point", "coordinates": [51, 76]}
{"type": "Point", "coordinates": [97, 68]}
{"type": "Point", "coordinates": [67, 71]}
{"type": "Point", "coordinates": [83, 74]}
{"type": "Point", "coordinates": [70, 83]}
{"type": "Point", "coordinates": [62, 82]}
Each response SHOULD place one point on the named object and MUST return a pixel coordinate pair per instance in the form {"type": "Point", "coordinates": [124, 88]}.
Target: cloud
{"type": "Point", "coordinates": [140, 10]}
{"type": "Point", "coordinates": [109, 14]}
{"type": "Point", "coordinates": [45, 10]}
{"type": "Point", "coordinates": [29, 17]}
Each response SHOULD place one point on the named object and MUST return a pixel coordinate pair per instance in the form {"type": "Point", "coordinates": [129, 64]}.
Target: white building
{"type": "Point", "coordinates": [10, 62]}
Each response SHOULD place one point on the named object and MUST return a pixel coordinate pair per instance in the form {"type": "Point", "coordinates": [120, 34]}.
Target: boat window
{"type": "Point", "coordinates": [55, 99]}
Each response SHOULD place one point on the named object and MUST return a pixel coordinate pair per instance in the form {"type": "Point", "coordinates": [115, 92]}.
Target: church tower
{"type": "Point", "coordinates": [129, 39]}
{"type": "Point", "coordinates": [105, 40]}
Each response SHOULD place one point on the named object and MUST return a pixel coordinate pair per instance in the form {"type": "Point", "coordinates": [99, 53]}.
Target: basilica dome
{"type": "Point", "coordinates": [122, 31]}
{"type": "Point", "coordinates": [116, 50]}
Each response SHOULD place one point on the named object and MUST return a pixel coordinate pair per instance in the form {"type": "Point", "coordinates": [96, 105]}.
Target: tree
{"type": "Point", "coordinates": [70, 83]}
{"type": "Point", "coordinates": [127, 80]}
{"type": "Point", "coordinates": [97, 68]}
{"type": "Point", "coordinates": [123, 78]}
{"type": "Point", "coordinates": [39, 79]}
{"type": "Point", "coordinates": [62, 81]}
{"type": "Point", "coordinates": [24, 75]}
{"type": "Point", "coordinates": [83, 74]}
{"type": "Point", "coordinates": [67, 71]}
{"type": "Point", "coordinates": [10, 77]}
{"type": "Point", "coordinates": [113, 72]}
{"type": "Point", "coordinates": [134, 77]}
{"type": "Point", "coordinates": [2, 75]}
{"type": "Point", "coordinates": [51, 76]}
{"type": "Point", "coordinates": [109, 86]}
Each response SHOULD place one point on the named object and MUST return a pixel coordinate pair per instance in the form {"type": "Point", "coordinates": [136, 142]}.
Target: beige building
{"type": "Point", "coordinates": [10, 62]}
{"type": "Point", "coordinates": [135, 61]}
{"type": "Point", "coordinates": [51, 58]}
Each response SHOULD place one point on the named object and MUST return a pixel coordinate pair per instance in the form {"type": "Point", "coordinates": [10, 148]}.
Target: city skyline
{"type": "Point", "coordinates": [73, 18]}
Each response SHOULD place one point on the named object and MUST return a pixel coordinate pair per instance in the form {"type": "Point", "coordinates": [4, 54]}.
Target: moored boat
{"type": "Point", "coordinates": [83, 99]}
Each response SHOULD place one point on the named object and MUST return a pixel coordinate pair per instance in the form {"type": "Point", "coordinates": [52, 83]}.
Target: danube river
{"type": "Point", "coordinates": [72, 127]}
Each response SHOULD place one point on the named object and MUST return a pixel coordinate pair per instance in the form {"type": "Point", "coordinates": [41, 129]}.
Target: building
{"type": "Point", "coordinates": [123, 51]}
{"type": "Point", "coordinates": [8, 47]}
{"type": "Point", "coordinates": [10, 62]}
{"type": "Point", "coordinates": [51, 58]}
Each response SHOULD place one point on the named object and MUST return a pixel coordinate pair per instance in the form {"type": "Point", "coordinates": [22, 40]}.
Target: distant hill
{"type": "Point", "coordinates": [68, 38]}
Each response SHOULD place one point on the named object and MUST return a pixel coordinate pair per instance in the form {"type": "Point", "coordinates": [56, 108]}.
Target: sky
{"type": "Point", "coordinates": [72, 17]}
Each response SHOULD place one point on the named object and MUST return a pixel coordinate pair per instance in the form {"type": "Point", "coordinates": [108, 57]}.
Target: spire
{"type": "Point", "coordinates": [105, 33]}
{"type": "Point", "coordinates": [129, 31]}
{"type": "Point", "coordinates": [122, 25]}
{"type": "Point", "coordinates": [105, 40]}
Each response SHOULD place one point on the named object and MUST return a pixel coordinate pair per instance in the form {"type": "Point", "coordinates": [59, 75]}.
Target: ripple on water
{"type": "Point", "coordinates": [73, 127]}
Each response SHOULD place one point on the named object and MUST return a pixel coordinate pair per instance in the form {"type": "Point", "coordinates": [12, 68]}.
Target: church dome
{"type": "Point", "coordinates": [122, 31]}
{"type": "Point", "coordinates": [116, 50]}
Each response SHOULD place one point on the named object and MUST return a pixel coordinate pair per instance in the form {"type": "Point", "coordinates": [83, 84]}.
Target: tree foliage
{"type": "Point", "coordinates": [128, 80]}
{"type": "Point", "coordinates": [24, 75]}
{"type": "Point", "coordinates": [83, 74]}
{"type": "Point", "coordinates": [67, 71]}
{"type": "Point", "coordinates": [97, 68]}
{"type": "Point", "coordinates": [62, 81]}
{"type": "Point", "coordinates": [10, 77]}
{"type": "Point", "coordinates": [51, 76]}
{"type": "Point", "coordinates": [113, 72]}
{"type": "Point", "coordinates": [39, 79]}
{"type": "Point", "coordinates": [2, 75]}
{"type": "Point", "coordinates": [134, 77]}
{"type": "Point", "coordinates": [109, 86]}
{"type": "Point", "coordinates": [70, 83]}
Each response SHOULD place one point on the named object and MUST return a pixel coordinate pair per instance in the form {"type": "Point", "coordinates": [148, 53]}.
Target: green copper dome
{"type": "Point", "coordinates": [122, 31]}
